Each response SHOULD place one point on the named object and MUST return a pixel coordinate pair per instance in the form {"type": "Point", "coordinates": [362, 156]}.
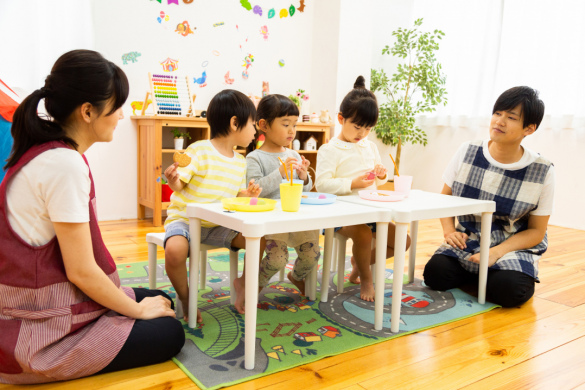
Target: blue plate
{"type": "Point", "coordinates": [313, 198]}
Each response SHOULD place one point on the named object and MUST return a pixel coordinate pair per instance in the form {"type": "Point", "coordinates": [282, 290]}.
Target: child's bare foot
{"type": "Point", "coordinates": [367, 291]}
{"type": "Point", "coordinates": [239, 286]}
{"type": "Point", "coordinates": [300, 284]}
{"type": "Point", "coordinates": [354, 275]}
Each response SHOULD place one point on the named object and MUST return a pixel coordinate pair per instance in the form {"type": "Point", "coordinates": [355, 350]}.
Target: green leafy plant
{"type": "Point", "coordinates": [298, 97]}
{"type": "Point", "coordinates": [416, 86]}
{"type": "Point", "coordinates": [180, 133]}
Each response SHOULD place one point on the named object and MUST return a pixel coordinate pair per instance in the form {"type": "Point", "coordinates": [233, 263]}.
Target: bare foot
{"type": "Point", "coordinates": [367, 291]}
{"type": "Point", "coordinates": [300, 284]}
{"type": "Point", "coordinates": [239, 286]}
{"type": "Point", "coordinates": [354, 276]}
{"type": "Point", "coordinates": [185, 306]}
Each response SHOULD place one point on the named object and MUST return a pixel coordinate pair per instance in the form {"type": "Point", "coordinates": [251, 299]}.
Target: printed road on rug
{"type": "Point", "coordinates": [291, 330]}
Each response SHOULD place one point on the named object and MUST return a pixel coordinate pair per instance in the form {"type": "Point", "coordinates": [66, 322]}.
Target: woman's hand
{"type": "Point", "coordinates": [155, 307]}
{"type": "Point", "coordinates": [456, 239]}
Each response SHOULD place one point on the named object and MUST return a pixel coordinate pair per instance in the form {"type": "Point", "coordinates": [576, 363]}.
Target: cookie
{"type": "Point", "coordinates": [182, 158]}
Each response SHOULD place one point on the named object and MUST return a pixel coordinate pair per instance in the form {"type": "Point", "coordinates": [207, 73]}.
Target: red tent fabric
{"type": "Point", "coordinates": [7, 104]}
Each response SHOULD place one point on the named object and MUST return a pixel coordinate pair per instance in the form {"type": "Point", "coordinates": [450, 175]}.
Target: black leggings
{"type": "Point", "coordinates": [150, 341]}
{"type": "Point", "coordinates": [506, 288]}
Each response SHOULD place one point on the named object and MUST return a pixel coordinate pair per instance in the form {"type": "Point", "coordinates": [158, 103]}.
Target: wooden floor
{"type": "Point", "coordinates": [537, 346]}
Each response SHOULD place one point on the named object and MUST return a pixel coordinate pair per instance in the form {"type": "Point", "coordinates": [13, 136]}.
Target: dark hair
{"type": "Point", "coordinates": [531, 105]}
{"type": "Point", "coordinates": [272, 107]}
{"type": "Point", "coordinates": [360, 105]}
{"type": "Point", "coordinates": [78, 77]}
{"type": "Point", "coordinates": [225, 105]}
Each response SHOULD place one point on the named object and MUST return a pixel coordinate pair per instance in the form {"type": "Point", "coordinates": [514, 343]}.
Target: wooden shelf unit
{"type": "Point", "coordinates": [155, 153]}
{"type": "Point", "coordinates": [321, 132]}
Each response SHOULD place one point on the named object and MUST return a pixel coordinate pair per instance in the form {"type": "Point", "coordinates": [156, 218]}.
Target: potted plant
{"type": "Point", "coordinates": [417, 86]}
{"type": "Point", "coordinates": [298, 98]}
{"type": "Point", "coordinates": [179, 136]}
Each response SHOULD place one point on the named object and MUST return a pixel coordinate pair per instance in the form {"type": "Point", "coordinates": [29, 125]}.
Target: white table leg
{"type": "Point", "coordinates": [252, 269]}
{"type": "Point", "coordinates": [484, 251]}
{"type": "Point", "coordinates": [412, 250]}
{"type": "Point", "coordinates": [381, 245]}
{"type": "Point", "coordinates": [194, 252]}
{"type": "Point", "coordinates": [399, 255]}
{"type": "Point", "coordinates": [152, 248]}
{"type": "Point", "coordinates": [327, 255]}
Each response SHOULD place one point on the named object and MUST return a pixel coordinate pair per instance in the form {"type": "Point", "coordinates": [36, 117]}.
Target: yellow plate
{"type": "Point", "coordinates": [243, 204]}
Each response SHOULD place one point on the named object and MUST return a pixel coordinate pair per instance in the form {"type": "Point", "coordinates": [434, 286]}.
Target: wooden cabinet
{"type": "Point", "coordinates": [155, 154]}
{"type": "Point", "coordinates": [306, 130]}
{"type": "Point", "coordinates": [156, 149]}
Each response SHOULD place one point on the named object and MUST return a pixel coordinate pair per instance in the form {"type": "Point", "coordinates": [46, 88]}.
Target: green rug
{"type": "Point", "coordinates": [291, 330]}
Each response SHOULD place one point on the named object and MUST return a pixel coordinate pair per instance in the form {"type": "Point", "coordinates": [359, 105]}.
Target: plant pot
{"type": "Point", "coordinates": [179, 143]}
{"type": "Point", "coordinates": [166, 193]}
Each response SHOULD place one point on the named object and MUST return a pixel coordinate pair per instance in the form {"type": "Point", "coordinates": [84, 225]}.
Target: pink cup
{"type": "Point", "coordinates": [403, 184]}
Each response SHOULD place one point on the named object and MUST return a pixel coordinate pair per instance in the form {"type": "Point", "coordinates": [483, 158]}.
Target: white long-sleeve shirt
{"type": "Point", "coordinates": [338, 163]}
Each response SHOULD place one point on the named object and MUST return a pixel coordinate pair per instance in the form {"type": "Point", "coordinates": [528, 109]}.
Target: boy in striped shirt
{"type": "Point", "coordinates": [215, 172]}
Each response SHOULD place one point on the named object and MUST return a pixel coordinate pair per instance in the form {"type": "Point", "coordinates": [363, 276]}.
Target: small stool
{"type": "Point", "coordinates": [157, 239]}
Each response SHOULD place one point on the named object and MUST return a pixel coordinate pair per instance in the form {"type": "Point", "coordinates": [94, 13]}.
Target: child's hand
{"type": "Point", "coordinates": [380, 171]}
{"type": "Point", "coordinates": [302, 168]}
{"type": "Point", "coordinates": [173, 177]}
{"type": "Point", "coordinates": [252, 191]}
{"type": "Point", "coordinates": [362, 182]}
{"type": "Point", "coordinates": [290, 162]}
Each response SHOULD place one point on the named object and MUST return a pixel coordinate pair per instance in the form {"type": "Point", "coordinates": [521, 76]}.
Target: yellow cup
{"type": "Point", "coordinates": [290, 196]}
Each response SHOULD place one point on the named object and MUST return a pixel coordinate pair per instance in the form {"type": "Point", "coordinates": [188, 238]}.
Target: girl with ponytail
{"type": "Point", "coordinates": [63, 314]}
{"type": "Point", "coordinates": [350, 163]}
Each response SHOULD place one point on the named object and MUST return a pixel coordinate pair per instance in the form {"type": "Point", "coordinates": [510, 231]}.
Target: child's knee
{"type": "Point", "coordinates": [176, 250]}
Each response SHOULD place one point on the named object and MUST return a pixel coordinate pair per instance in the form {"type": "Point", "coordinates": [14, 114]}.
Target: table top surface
{"type": "Point", "coordinates": [309, 217]}
{"type": "Point", "coordinates": [420, 205]}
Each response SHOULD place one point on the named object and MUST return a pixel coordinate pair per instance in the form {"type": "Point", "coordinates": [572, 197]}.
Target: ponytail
{"type": "Point", "coordinates": [78, 77]}
{"type": "Point", "coordinates": [28, 129]}
{"type": "Point", "coordinates": [360, 105]}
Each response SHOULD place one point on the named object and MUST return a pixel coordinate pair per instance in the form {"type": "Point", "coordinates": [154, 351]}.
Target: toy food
{"type": "Point", "coordinates": [371, 175]}
{"type": "Point", "coordinates": [182, 158]}
{"type": "Point", "coordinates": [253, 201]}
{"type": "Point", "coordinates": [322, 196]}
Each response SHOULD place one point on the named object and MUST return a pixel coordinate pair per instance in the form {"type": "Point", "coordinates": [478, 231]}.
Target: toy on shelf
{"type": "Point", "coordinates": [325, 117]}
{"type": "Point", "coordinates": [171, 94]}
{"type": "Point", "coordinates": [138, 105]}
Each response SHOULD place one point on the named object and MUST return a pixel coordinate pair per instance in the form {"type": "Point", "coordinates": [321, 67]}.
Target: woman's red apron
{"type": "Point", "coordinates": [49, 329]}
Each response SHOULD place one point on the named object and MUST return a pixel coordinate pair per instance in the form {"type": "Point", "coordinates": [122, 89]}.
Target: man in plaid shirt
{"type": "Point", "coordinates": [521, 182]}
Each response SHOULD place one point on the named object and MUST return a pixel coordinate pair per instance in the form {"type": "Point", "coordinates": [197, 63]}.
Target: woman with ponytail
{"type": "Point", "coordinates": [63, 314]}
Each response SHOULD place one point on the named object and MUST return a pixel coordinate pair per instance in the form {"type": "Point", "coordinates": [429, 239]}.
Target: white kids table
{"type": "Point", "coordinates": [421, 205]}
{"type": "Point", "coordinates": [254, 225]}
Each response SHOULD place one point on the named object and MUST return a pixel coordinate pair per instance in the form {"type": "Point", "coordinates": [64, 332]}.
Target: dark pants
{"type": "Point", "coordinates": [506, 288]}
{"type": "Point", "coordinates": [150, 341]}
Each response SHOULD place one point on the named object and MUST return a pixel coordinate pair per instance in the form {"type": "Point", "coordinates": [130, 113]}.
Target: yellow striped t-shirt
{"type": "Point", "coordinates": [209, 178]}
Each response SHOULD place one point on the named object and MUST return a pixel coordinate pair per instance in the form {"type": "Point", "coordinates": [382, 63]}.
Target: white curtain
{"type": "Point", "coordinates": [35, 33]}
{"type": "Point", "coordinates": [492, 45]}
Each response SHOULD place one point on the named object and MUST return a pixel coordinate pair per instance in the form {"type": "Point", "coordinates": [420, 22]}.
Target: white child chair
{"type": "Point", "coordinates": [157, 239]}
{"type": "Point", "coordinates": [339, 249]}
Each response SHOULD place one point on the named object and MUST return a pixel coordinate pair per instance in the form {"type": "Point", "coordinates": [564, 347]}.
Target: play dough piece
{"type": "Point", "coordinates": [182, 158]}
{"type": "Point", "coordinates": [322, 196]}
{"type": "Point", "coordinates": [305, 196]}
{"type": "Point", "coordinates": [253, 201]}
{"type": "Point", "coordinates": [371, 176]}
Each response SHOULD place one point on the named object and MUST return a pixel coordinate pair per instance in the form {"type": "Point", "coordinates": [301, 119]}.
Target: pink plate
{"type": "Point", "coordinates": [382, 195]}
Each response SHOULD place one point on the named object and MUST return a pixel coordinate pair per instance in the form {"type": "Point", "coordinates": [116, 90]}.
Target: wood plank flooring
{"type": "Point", "coordinates": [537, 346]}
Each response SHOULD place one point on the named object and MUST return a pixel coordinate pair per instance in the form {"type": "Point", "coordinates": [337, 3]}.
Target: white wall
{"type": "Point", "coordinates": [131, 25]}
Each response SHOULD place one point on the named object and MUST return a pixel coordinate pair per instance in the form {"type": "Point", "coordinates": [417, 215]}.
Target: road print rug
{"type": "Point", "coordinates": [291, 329]}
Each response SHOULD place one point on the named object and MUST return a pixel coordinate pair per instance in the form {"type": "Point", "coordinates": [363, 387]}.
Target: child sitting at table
{"type": "Point", "coordinates": [276, 118]}
{"type": "Point", "coordinates": [215, 172]}
{"type": "Point", "coordinates": [343, 168]}
{"type": "Point", "coordinates": [521, 182]}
